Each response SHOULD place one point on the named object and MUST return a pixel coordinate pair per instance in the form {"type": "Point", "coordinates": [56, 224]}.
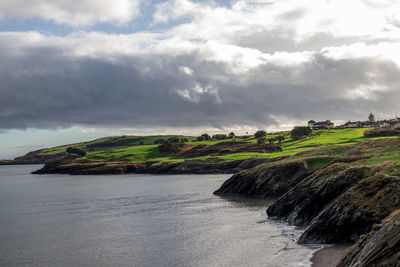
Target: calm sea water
{"type": "Point", "coordinates": [136, 220]}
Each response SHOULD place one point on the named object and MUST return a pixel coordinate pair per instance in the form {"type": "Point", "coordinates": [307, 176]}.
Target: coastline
{"type": "Point", "coordinates": [329, 256]}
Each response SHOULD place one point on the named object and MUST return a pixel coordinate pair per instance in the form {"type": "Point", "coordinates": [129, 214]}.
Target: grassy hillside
{"type": "Point", "coordinates": [141, 149]}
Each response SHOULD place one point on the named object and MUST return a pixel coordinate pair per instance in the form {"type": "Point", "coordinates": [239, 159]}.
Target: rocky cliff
{"type": "Point", "coordinates": [338, 193]}
{"type": "Point", "coordinates": [265, 181]}
{"type": "Point", "coordinates": [381, 247]}
{"type": "Point", "coordinates": [79, 166]}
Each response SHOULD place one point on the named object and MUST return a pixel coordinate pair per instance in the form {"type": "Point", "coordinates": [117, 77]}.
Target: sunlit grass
{"type": "Point", "coordinates": [149, 152]}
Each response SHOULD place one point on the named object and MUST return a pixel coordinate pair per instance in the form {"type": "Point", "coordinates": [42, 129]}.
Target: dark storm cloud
{"type": "Point", "coordinates": [44, 87]}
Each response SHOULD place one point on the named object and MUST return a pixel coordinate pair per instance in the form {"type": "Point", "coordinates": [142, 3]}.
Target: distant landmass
{"type": "Point", "coordinates": [342, 184]}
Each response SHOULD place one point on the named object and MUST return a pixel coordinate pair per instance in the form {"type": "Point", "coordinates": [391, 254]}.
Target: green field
{"type": "Point", "coordinates": [143, 150]}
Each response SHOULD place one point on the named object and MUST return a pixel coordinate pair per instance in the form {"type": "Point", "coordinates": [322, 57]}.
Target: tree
{"type": "Point", "coordinates": [280, 138]}
{"type": "Point", "coordinates": [261, 140]}
{"type": "Point", "coordinates": [77, 151]}
{"type": "Point", "coordinates": [300, 132]}
{"type": "Point", "coordinates": [200, 138]}
{"type": "Point", "coordinates": [260, 133]}
{"type": "Point", "coordinates": [219, 137]}
{"type": "Point", "coordinates": [271, 140]}
{"type": "Point", "coordinates": [371, 117]}
{"type": "Point", "coordinates": [231, 135]}
{"type": "Point", "coordinates": [206, 136]}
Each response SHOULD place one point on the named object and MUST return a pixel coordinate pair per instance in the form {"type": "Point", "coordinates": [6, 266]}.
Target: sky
{"type": "Point", "coordinates": [78, 70]}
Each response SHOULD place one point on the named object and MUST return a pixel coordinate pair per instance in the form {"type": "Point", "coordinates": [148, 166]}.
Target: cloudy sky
{"type": "Point", "coordinates": [76, 70]}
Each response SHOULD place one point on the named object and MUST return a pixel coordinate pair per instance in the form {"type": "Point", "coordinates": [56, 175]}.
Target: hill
{"type": "Point", "coordinates": [142, 148]}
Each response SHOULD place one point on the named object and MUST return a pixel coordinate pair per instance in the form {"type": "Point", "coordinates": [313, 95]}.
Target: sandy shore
{"type": "Point", "coordinates": [329, 257]}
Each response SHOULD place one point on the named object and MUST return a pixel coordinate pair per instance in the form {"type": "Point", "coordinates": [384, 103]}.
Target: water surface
{"type": "Point", "coordinates": [136, 220]}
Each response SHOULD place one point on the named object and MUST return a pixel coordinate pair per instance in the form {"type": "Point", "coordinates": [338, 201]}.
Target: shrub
{"type": "Point", "coordinates": [231, 135]}
{"type": "Point", "coordinates": [260, 133]}
{"type": "Point", "coordinates": [300, 132]}
{"type": "Point", "coordinates": [206, 136]}
{"type": "Point", "coordinates": [220, 137]}
{"type": "Point", "coordinates": [271, 140]}
{"type": "Point", "coordinates": [200, 138]}
{"type": "Point", "coordinates": [280, 138]}
{"type": "Point", "coordinates": [381, 133]}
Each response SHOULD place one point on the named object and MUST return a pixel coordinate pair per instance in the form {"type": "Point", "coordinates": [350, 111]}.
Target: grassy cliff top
{"type": "Point", "coordinates": [142, 149]}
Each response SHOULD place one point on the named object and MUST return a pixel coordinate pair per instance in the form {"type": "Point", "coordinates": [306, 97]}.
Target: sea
{"type": "Point", "coordinates": [137, 220]}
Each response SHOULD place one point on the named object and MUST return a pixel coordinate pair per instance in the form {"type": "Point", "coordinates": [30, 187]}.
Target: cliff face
{"type": "Point", "coordinates": [334, 194]}
{"type": "Point", "coordinates": [306, 200]}
{"type": "Point", "coordinates": [355, 212]}
{"type": "Point", "coordinates": [381, 247]}
{"type": "Point", "coordinates": [78, 166]}
{"type": "Point", "coordinates": [264, 181]}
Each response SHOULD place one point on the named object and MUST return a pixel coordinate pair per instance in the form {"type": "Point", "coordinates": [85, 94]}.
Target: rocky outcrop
{"type": "Point", "coordinates": [75, 166]}
{"type": "Point", "coordinates": [379, 248]}
{"type": "Point", "coordinates": [301, 204]}
{"type": "Point", "coordinates": [268, 180]}
{"type": "Point", "coordinates": [34, 157]}
{"type": "Point", "coordinates": [355, 212]}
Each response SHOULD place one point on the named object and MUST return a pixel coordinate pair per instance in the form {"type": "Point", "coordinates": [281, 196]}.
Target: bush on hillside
{"type": "Point", "coordinates": [219, 137]}
{"type": "Point", "coordinates": [206, 136]}
{"type": "Point", "coordinates": [280, 138]}
{"type": "Point", "coordinates": [381, 133]}
{"type": "Point", "coordinates": [300, 132]}
{"type": "Point", "coordinates": [200, 138]}
{"type": "Point", "coordinates": [260, 133]}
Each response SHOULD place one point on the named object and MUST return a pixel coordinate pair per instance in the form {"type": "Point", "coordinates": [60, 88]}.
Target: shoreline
{"type": "Point", "coordinates": [329, 256]}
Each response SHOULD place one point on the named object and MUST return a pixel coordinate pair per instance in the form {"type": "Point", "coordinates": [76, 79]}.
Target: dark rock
{"type": "Point", "coordinates": [76, 165]}
{"type": "Point", "coordinates": [265, 181]}
{"type": "Point", "coordinates": [354, 212]}
{"type": "Point", "coordinates": [379, 248]}
{"type": "Point", "coordinates": [307, 199]}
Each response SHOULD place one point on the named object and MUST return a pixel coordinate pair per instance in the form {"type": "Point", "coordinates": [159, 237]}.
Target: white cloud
{"type": "Point", "coordinates": [74, 13]}
{"type": "Point", "coordinates": [250, 64]}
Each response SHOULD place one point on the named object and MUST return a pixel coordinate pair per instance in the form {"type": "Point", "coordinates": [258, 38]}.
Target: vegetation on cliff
{"type": "Point", "coordinates": [143, 149]}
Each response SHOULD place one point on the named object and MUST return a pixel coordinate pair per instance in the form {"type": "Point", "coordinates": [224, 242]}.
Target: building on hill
{"type": "Point", "coordinates": [321, 124]}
